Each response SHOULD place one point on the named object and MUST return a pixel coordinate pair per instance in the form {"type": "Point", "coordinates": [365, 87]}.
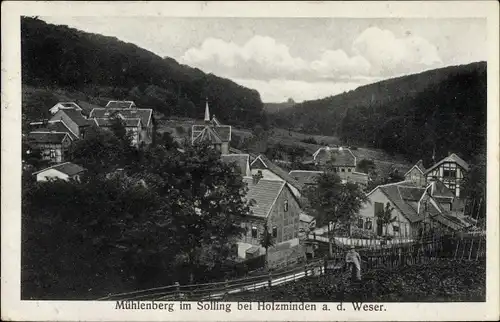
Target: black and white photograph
{"type": "Point", "coordinates": [199, 161]}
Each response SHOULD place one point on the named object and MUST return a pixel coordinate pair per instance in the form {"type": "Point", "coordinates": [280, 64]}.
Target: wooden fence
{"type": "Point", "coordinates": [461, 247]}
{"type": "Point", "coordinates": [218, 290]}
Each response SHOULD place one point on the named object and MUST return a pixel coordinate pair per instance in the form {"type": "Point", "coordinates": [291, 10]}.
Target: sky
{"type": "Point", "coordinates": [299, 58]}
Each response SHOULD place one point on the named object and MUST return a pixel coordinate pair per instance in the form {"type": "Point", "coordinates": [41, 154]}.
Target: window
{"type": "Point", "coordinates": [343, 170]}
{"type": "Point", "coordinates": [254, 232]}
{"type": "Point", "coordinates": [449, 170]}
{"type": "Point", "coordinates": [52, 153]}
{"type": "Point", "coordinates": [395, 229]}
{"type": "Point", "coordinates": [360, 223]}
{"type": "Point", "coordinates": [334, 169]}
{"type": "Point", "coordinates": [368, 224]}
{"type": "Point", "coordinates": [275, 231]}
{"type": "Point", "coordinates": [349, 169]}
{"type": "Point", "coordinates": [285, 206]}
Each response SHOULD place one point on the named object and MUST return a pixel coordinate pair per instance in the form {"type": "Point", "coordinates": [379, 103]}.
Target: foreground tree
{"type": "Point", "coordinates": [208, 208]}
{"type": "Point", "coordinates": [334, 203]}
{"type": "Point", "coordinates": [385, 217]}
{"type": "Point", "coordinates": [267, 240]}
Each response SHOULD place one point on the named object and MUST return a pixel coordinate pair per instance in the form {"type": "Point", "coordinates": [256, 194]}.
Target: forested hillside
{"type": "Point", "coordinates": [59, 57]}
{"type": "Point", "coordinates": [443, 109]}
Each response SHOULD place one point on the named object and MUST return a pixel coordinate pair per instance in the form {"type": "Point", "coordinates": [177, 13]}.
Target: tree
{"type": "Point", "coordinates": [100, 152]}
{"type": "Point", "coordinates": [366, 166]}
{"type": "Point", "coordinates": [475, 185]}
{"type": "Point", "coordinates": [385, 217]}
{"type": "Point", "coordinates": [267, 240]}
{"type": "Point", "coordinates": [207, 204]}
{"type": "Point", "coordinates": [334, 203]}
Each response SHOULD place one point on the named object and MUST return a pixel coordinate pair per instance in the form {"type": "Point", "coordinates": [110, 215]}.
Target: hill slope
{"type": "Point", "coordinates": [443, 108]}
{"type": "Point", "coordinates": [105, 67]}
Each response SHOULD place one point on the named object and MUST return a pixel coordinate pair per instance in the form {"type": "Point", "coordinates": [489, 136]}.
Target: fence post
{"type": "Point", "coordinates": [178, 289]}
{"type": "Point", "coordinates": [270, 280]}
{"type": "Point", "coordinates": [305, 270]}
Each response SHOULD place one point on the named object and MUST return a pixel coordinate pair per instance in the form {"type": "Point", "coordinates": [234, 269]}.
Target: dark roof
{"type": "Point", "coordinates": [241, 161]}
{"type": "Point", "coordinates": [46, 137]}
{"type": "Point", "coordinates": [77, 117]}
{"type": "Point", "coordinates": [451, 158]}
{"type": "Point", "coordinates": [87, 107]}
{"type": "Point", "coordinates": [440, 190]}
{"type": "Point", "coordinates": [236, 151]}
{"type": "Point", "coordinates": [419, 166]}
{"type": "Point", "coordinates": [278, 171]}
{"type": "Point", "coordinates": [448, 221]}
{"type": "Point", "coordinates": [392, 193]}
{"type": "Point", "coordinates": [67, 168]}
{"type": "Point", "coordinates": [129, 113]}
{"type": "Point", "coordinates": [342, 156]}
{"type": "Point", "coordinates": [411, 193]}
{"type": "Point", "coordinates": [54, 126]}
{"type": "Point", "coordinates": [305, 177]}
{"type": "Point", "coordinates": [105, 122]}
{"type": "Point", "coordinates": [120, 104]}
{"type": "Point", "coordinates": [265, 193]}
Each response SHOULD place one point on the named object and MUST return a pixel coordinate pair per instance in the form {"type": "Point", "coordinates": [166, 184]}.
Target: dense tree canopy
{"type": "Point", "coordinates": [166, 217]}
{"type": "Point", "coordinates": [334, 203]}
{"type": "Point", "coordinates": [442, 109]}
{"type": "Point", "coordinates": [104, 67]}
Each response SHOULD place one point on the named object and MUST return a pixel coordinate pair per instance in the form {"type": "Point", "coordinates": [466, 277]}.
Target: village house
{"type": "Point", "coordinates": [416, 174]}
{"type": "Point", "coordinates": [343, 162]}
{"type": "Point", "coordinates": [74, 120]}
{"type": "Point", "coordinates": [53, 146]}
{"type": "Point", "coordinates": [138, 122]}
{"type": "Point", "coordinates": [261, 164]}
{"type": "Point", "coordinates": [451, 171]}
{"type": "Point", "coordinates": [62, 171]}
{"type": "Point", "coordinates": [53, 126]}
{"type": "Point", "coordinates": [276, 205]}
{"type": "Point", "coordinates": [413, 207]}
{"type": "Point", "coordinates": [212, 131]}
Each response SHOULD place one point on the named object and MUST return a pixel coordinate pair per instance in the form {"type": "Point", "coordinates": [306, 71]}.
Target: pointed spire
{"type": "Point", "coordinates": [207, 112]}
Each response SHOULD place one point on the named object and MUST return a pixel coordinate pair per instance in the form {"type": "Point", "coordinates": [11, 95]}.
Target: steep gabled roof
{"type": "Point", "coordinates": [54, 126]}
{"type": "Point", "coordinates": [451, 158]}
{"type": "Point", "coordinates": [67, 168]}
{"type": "Point", "coordinates": [77, 117]}
{"type": "Point", "coordinates": [438, 189]}
{"type": "Point", "coordinates": [128, 122]}
{"type": "Point", "coordinates": [265, 193]}
{"type": "Point", "coordinates": [145, 114]}
{"type": "Point", "coordinates": [47, 137]}
{"type": "Point", "coordinates": [419, 166]}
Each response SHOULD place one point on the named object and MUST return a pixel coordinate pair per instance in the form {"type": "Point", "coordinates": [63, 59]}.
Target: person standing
{"type": "Point", "coordinates": [353, 260]}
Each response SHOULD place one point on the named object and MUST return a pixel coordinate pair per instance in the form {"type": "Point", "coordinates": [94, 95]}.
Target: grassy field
{"type": "Point", "coordinates": [438, 281]}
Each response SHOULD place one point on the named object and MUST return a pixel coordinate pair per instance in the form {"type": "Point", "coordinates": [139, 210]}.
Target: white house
{"type": "Point", "coordinates": [62, 171]}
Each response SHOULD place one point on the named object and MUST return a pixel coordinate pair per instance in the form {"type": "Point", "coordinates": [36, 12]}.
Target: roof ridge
{"type": "Point", "coordinates": [51, 167]}
{"type": "Point", "coordinates": [306, 171]}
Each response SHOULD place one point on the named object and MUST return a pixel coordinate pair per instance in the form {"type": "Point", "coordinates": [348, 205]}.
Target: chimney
{"type": "Point", "coordinates": [256, 177]}
{"type": "Point", "coordinates": [207, 112]}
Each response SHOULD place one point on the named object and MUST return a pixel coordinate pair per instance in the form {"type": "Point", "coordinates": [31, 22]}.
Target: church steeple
{"type": "Point", "coordinates": [207, 112]}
